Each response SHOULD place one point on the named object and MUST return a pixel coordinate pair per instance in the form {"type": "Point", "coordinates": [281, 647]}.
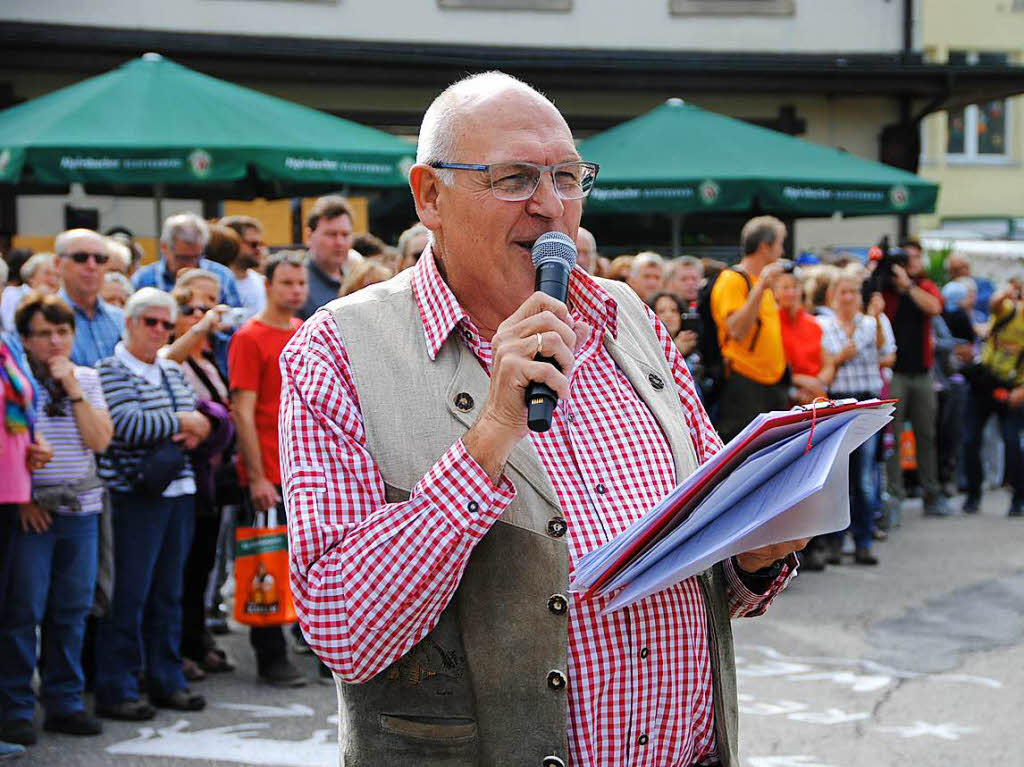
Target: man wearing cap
{"type": "Point", "coordinates": [433, 536]}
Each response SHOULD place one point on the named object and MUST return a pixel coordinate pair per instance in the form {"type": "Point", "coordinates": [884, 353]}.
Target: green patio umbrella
{"type": "Point", "coordinates": [679, 159]}
{"type": "Point", "coordinates": [155, 126]}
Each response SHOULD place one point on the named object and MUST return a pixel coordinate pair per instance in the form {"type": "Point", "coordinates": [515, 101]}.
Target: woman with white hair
{"type": "Point", "coordinates": [152, 483]}
{"type": "Point", "coordinates": [39, 274]}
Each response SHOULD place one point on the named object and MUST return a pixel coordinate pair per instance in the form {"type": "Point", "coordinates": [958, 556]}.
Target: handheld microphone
{"type": "Point", "coordinates": [554, 255]}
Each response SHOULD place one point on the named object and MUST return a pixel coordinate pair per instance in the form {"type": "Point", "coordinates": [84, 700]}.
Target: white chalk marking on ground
{"type": "Point", "coordinates": [292, 709]}
{"type": "Point", "coordinates": [878, 669]}
{"type": "Point", "coordinates": [786, 761]}
{"type": "Point", "coordinates": [945, 730]}
{"type": "Point", "coordinates": [234, 743]}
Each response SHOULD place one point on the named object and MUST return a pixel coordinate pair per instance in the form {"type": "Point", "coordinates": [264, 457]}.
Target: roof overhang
{"type": "Point", "coordinates": [90, 50]}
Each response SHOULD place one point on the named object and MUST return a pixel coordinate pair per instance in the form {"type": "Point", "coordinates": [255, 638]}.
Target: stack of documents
{"type": "Point", "coordinates": [784, 477]}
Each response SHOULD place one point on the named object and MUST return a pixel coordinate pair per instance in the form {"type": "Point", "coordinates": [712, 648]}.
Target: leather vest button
{"type": "Point", "coordinates": [556, 680]}
{"type": "Point", "coordinates": [556, 527]}
{"type": "Point", "coordinates": [552, 761]}
{"type": "Point", "coordinates": [463, 401]}
{"type": "Point", "coordinates": [656, 381]}
{"type": "Point", "coordinates": [558, 604]}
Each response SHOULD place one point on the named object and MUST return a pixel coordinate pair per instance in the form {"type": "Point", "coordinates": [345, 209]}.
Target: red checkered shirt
{"type": "Point", "coordinates": [640, 690]}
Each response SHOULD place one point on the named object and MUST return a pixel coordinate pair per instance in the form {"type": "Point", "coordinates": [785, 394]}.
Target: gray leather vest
{"type": "Point", "coordinates": [487, 686]}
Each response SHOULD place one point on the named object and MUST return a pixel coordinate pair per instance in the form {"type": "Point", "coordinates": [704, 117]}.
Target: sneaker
{"type": "Point", "coordinates": [281, 673]}
{"type": "Point", "coordinates": [76, 723]}
{"type": "Point", "coordinates": [10, 750]}
{"type": "Point", "coordinates": [179, 700]}
{"type": "Point", "coordinates": [126, 711]}
{"type": "Point", "coordinates": [834, 553]}
{"type": "Point", "coordinates": [864, 557]}
{"type": "Point", "coordinates": [18, 731]}
{"type": "Point", "coordinates": [971, 505]}
{"type": "Point", "coordinates": [938, 508]}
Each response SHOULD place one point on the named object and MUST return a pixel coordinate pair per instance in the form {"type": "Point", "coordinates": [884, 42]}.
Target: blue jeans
{"type": "Point", "coordinates": [52, 578]}
{"type": "Point", "coordinates": [152, 537]}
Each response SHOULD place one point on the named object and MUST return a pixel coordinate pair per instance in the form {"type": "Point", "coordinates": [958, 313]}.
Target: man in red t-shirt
{"type": "Point", "coordinates": [255, 380]}
{"type": "Point", "coordinates": [910, 303]}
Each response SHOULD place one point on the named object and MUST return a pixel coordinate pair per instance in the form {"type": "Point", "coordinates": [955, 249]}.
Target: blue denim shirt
{"type": "Point", "coordinates": [156, 275]}
{"type": "Point", "coordinates": [96, 336]}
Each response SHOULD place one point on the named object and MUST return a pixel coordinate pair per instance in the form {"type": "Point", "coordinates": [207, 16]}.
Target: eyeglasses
{"type": "Point", "coordinates": [188, 311]}
{"type": "Point", "coordinates": [515, 181]}
{"type": "Point", "coordinates": [152, 322]}
{"type": "Point", "coordinates": [80, 257]}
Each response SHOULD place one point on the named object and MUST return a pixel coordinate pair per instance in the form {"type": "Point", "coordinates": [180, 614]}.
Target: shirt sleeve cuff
{"type": "Point", "coordinates": [460, 488]}
{"type": "Point", "coordinates": [750, 603]}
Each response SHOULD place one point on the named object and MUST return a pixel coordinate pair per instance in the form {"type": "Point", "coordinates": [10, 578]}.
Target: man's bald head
{"type": "Point", "coordinates": [586, 250]}
{"type": "Point", "coordinates": [461, 107]}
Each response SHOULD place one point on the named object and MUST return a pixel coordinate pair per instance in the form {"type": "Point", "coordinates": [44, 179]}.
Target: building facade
{"type": "Point", "coordinates": [976, 150]}
{"type": "Point", "coordinates": [842, 74]}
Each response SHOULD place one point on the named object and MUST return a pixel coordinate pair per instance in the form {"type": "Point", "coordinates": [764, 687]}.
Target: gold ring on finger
{"type": "Point", "coordinates": [540, 345]}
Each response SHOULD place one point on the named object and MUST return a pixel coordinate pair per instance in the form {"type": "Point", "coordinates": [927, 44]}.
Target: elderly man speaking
{"type": "Point", "coordinates": [433, 536]}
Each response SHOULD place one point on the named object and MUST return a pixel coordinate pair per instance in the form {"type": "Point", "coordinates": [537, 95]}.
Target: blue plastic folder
{"type": "Point", "coordinates": [784, 477]}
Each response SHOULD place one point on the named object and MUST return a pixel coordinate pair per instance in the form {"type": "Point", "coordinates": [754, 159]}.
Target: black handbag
{"type": "Point", "coordinates": [158, 468]}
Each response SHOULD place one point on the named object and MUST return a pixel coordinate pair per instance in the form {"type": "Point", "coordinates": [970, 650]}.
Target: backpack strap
{"type": "Point", "coordinates": [757, 329]}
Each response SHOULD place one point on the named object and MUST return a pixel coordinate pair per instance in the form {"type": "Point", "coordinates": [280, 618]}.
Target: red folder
{"type": "Point", "coordinates": [674, 510]}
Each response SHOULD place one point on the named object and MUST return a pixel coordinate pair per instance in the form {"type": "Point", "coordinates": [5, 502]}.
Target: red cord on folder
{"type": "Point", "coordinates": [814, 416]}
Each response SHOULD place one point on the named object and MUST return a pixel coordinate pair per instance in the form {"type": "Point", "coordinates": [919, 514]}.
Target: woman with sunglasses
{"type": "Point", "coordinates": [199, 318]}
{"type": "Point", "coordinates": [153, 486]}
{"type": "Point", "coordinates": [55, 557]}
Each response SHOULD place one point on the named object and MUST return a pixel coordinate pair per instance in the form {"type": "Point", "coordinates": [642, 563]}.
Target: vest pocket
{"type": "Point", "coordinates": [429, 729]}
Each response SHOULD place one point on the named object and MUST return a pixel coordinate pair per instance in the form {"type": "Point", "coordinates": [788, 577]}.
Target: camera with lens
{"type": "Point", "coordinates": [883, 278]}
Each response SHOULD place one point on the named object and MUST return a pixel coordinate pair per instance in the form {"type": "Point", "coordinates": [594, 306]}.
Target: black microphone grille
{"type": "Point", "coordinates": [554, 246]}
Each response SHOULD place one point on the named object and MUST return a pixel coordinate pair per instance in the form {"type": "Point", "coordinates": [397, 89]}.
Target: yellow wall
{"type": "Point", "coordinates": [973, 189]}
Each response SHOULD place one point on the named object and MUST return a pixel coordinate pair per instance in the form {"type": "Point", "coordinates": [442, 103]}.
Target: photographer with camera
{"type": "Point", "coordinates": [997, 386]}
{"type": "Point", "coordinates": [911, 300]}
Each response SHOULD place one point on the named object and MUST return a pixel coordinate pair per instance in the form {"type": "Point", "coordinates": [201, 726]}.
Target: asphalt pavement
{"type": "Point", "coordinates": [918, 661]}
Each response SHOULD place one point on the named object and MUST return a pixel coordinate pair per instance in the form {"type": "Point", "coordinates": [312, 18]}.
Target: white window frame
{"type": "Point", "coordinates": [970, 155]}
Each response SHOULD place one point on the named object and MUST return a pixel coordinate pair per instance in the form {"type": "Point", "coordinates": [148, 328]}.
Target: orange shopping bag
{"type": "Point", "coordinates": [908, 449]}
{"type": "Point", "coordinates": [262, 594]}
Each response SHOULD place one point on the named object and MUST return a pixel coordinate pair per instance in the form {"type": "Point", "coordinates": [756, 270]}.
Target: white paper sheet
{"type": "Point", "coordinates": [795, 497]}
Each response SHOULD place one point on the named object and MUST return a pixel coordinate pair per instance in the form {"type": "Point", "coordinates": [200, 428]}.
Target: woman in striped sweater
{"type": "Point", "coordinates": [152, 406]}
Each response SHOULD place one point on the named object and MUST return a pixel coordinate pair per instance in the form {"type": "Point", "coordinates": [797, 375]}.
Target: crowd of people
{"type": "Point", "coordinates": [141, 421]}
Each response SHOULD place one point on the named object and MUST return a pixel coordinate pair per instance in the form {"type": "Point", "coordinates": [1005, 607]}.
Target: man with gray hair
{"type": "Point", "coordinates": [432, 534]}
{"type": "Point", "coordinates": [749, 330]}
{"type": "Point", "coordinates": [82, 258]}
{"type": "Point", "coordinates": [645, 274]}
{"type": "Point", "coordinates": [182, 241]}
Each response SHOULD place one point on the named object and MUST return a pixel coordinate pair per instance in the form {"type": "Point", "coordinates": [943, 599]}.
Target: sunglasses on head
{"type": "Point", "coordinates": [80, 257]}
{"type": "Point", "coordinates": [188, 311]}
{"type": "Point", "coordinates": [152, 322]}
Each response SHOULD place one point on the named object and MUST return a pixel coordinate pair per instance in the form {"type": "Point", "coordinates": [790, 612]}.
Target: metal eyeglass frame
{"type": "Point", "coordinates": [443, 165]}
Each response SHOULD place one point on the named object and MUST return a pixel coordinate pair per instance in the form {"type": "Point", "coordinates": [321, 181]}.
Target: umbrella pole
{"type": "Point", "coordinates": [677, 235]}
{"type": "Point", "coordinates": [158, 208]}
